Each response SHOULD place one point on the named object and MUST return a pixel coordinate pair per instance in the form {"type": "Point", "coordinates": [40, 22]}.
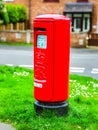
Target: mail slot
{"type": "Point", "coordinates": [51, 59]}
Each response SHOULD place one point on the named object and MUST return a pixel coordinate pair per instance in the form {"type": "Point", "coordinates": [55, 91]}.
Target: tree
{"type": "Point", "coordinates": [3, 13]}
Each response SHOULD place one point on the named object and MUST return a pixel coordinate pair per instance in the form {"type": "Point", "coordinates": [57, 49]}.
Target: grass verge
{"type": "Point", "coordinates": [16, 102]}
{"type": "Point", "coordinates": [16, 44]}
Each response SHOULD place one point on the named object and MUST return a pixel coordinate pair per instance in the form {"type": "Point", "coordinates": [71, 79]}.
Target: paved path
{"type": "Point", "coordinates": [6, 127]}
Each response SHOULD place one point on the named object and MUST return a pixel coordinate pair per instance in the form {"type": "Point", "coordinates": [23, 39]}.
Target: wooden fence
{"type": "Point", "coordinates": [17, 26]}
{"type": "Point", "coordinates": [92, 39]}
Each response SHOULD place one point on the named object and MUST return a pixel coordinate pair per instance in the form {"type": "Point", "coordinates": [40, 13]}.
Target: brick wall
{"type": "Point", "coordinates": [76, 40]}
{"type": "Point", "coordinates": [94, 15]}
{"type": "Point", "coordinates": [16, 36]}
{"type": "Point", "coordinates": [40, 7]}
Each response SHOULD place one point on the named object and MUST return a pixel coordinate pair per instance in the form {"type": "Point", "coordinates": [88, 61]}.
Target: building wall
{"type": "Point", "coordinates": [38, 7]}
{"type": "Point", "coordinates": [16, 36]}
{"type": "Point", "coordinates": [76, 40]}
{"type": "Point", "coordinates": [94, 15]}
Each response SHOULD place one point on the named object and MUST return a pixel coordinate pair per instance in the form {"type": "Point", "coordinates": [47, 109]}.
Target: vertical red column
{"type": "Point", "coordinates": [51, 62]}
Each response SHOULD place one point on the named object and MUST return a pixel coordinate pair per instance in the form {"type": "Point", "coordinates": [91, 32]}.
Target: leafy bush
{"type": "Point", "coordinates": [1, 5]}
{"type": "Point", "coordinates": [3, 14]}
{"type": "Point", "coordinates": [22, 13]}
{"type": "Point", "coordinates": [16, 13]}
{"type": "Point", "coordinates": [5, 17]}
{"type": "Point", "coordinates": [12, 13]}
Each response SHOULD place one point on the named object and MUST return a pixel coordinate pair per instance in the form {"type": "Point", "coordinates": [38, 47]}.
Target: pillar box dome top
{"type": "Point", "coordinates": [52, 17]}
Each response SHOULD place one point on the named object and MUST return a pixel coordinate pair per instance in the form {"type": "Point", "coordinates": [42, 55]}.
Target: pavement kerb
{"type": "Point", "coordinates": [4, 126]}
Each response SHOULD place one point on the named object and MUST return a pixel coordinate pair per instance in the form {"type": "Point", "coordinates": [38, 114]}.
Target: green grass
{"type": "Point", "coordinates": [16, 43]}
{"type": "Point", "coordinates": [16, 103]}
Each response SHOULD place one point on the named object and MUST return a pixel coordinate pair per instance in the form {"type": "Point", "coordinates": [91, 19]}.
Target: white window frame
{"type": "Point", "coordinates": [88, 23]}
{"type": "Point", "coordinates": [75, 26]}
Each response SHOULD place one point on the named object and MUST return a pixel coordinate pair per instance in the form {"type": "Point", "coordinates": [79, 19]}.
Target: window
{"type": "Point", "coordinates": [80, 21]}
{"type": "Point", "coordinates": [77, 24]}
{"type": "Point", "coordinates": [69, 15]}
{"type": "Point", "coordinates": [86, 22]}
{"type": "Point", "coordinates": [51, 0]}
{"type": "Point", "coordinates": [77, 15]}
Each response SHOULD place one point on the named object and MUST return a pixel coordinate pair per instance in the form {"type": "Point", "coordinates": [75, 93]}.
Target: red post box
{"type": "Point", "coordinates": [51, 61]}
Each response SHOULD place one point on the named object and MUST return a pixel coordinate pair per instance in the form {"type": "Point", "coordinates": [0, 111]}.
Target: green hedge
{"type": "Point", "coordinates": [4, 19]}
{"type": "Point", "coordinates": [22, 13]}
{"type": "Point", "coordinates": [16, 13]}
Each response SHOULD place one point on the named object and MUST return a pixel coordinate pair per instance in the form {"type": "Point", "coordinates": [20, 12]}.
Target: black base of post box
{"type": "Point", "coordinates": [58, 108]}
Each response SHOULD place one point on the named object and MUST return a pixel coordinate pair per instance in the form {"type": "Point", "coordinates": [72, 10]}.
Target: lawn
{"type": "Point", "coordinates": [16, 44]}
{"type": "Point", "coordinates": [16, 103]}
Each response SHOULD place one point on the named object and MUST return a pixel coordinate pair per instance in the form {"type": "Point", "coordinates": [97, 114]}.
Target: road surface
{"type": "Point", "coordinates": [82, 61]}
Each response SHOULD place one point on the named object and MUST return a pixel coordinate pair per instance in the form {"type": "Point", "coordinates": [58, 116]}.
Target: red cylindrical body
{"type": "Point", "coordinates": [51, 57]}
